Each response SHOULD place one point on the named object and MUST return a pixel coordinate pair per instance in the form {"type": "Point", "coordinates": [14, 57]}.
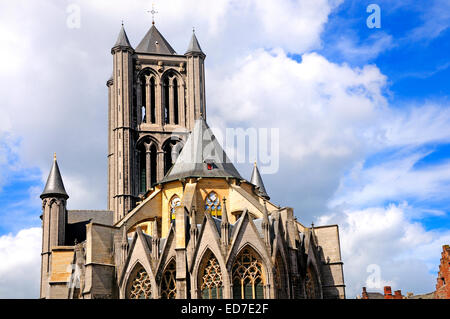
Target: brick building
{"type": "Point", "coordinates": [442, 286]}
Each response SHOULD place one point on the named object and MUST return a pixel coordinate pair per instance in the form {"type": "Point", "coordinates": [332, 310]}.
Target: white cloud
{"type": "Point", "coordinates": [21, 264]}
{"type": "Point", "coordinates": [393, 179]}
{"type": "Point", "coordinates": [406, 254]}
{"type": "Point", "coordinates": [331, 116]}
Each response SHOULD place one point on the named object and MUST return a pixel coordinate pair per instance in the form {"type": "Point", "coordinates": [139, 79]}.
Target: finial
{"type": "Point", "coordinates": [312, 225]}
{"type": "Point", "coordinates": [193, 29]}
{"type": "Point", "coordinates": [153, 12]}
{"type": "Point", "coordinates": [122, 23]}
{"type": "Point", "coordinates": [254, 164]}
{"type": "Point", "coordinates": [54, 156]}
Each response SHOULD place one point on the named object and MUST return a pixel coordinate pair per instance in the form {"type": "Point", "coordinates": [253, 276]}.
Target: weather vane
{"type": "Point", "coordinates": [153, 12]}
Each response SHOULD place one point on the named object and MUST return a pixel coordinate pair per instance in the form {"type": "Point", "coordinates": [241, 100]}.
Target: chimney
{"type": "Point", "coordinates": [364, 294]}
{"type": "Point", "coordinates": [398, 294]}
{"type": "Point", "coordinates": [387, 292]}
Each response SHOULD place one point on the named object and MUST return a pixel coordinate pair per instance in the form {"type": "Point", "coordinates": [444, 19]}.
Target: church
{"type": "Point", "coordinates": [181, 222]}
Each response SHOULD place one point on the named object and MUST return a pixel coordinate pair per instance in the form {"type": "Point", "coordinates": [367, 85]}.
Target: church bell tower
{"type": "Point", "coordinates": [152, 93]}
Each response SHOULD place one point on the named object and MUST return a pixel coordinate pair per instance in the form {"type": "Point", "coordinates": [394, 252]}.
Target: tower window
{"type": "Point", "coordinates": [175, 101]}
{"type": "Point", "coordinates": [212, 205]}
{"type": "Point", "coordinates": [166, 101]}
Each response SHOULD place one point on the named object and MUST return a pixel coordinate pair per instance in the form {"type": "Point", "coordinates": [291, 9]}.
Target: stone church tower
{"type": "Point", "coordinates": [153, 93]}
{"type": "Point", "coordinates": [181, 220]}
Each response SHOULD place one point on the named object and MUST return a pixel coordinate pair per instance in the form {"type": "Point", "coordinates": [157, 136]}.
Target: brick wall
{"type": "Point", "coordinates": [443, 280]}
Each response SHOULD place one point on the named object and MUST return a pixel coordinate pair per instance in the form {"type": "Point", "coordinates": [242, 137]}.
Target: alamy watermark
{"type": "Point", "coordinates": [374, 19]}
{"type": "Point", "coordinates": [249, 145]}
{"type": "Point", "coordinates": [73, 20]}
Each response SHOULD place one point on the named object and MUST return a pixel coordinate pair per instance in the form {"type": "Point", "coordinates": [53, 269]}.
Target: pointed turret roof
{"type": "Point", "coordinates": [122, 39]}
{"type": "Point", "coordinates": [154, 42]}
{"type": "Point", "coordinates": [54, 185]}
{"type": "Point", "coordinates": [202, 156]}
{"type": "Point", "coordinates": [258, 182]}
{"type": "Point", "coordinates": [194, 46]}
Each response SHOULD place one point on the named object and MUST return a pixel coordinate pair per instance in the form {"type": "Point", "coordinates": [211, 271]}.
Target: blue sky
{"type": "Point", "coordinates": [371, 129]}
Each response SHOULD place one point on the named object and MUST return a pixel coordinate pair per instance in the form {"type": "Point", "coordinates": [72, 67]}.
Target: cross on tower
{"type": "Point", "coordinates": [153, 12]}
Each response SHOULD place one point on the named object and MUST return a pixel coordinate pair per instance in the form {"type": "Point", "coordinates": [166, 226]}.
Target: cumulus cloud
{"type": "Point", "coordinates": [21, 264]}
{"type": "Point", "coordinates": [384, 239]}
{"type": "Point", "coordinates": [331, 116]}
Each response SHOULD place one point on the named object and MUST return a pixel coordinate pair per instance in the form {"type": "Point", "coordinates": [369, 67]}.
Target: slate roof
{"type": "Point", "coordinates": [258, 182]}
{"type": "Point", "coordinates": [154, 42]}
{"type": "Point", "coordinates": [54, 185]}
{"type": "Point", "coordinates": [194, 46]}
{"type": "Point", "coordinates": [200, 149]}
{"type": "Point", "coordinates": [122, 39]}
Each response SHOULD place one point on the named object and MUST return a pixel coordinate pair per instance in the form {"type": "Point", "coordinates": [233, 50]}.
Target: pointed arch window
{"type": "Point", "coordinates": [147, 87]}
{"type": "Point", "coordinates": [175, 101]}
{"type": "Point", "coordinates": [147, 162]}
{"type": "Point", "coordinates": [311, 286]}
{"type": "Point", "coordinates": [212, 204]}
{"type": "Point", "coordinates": [166, 95]}
{"type": "Point", "coordinates": [140, 286]}
{"type": "Point", "coordinates": [168, 282]}
{"type": "Point", "coordinates": [174, 203]}
{"type": "Point", "coordinates": [211, 284]}
{"type": "Point", "coordinates": [247, 272]}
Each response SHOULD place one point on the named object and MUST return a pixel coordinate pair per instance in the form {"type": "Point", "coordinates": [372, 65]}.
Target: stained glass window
{"type": "Point", "coordinates": [248, 281]}
{"type": "Point", "coordinates": [212, 204]}
{"type": "Point", "coordinates": [174, 203]}
{"type": "Point", "coordinates": [168, 282]}
{"type": "Point", "coordinates": [211, 280]}
{"type": "Point", "coordinates": [140, 287]}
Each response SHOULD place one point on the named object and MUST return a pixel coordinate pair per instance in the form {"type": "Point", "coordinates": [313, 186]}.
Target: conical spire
{"type": "Point", "coordinates": [202, 156]}
{"type": "Point", "coordinates": [194, 46]}
{"type": "Point", "coordinates": [154, 42]}
{"type": "Point", "coordinates": [258, 182]}
{"type": "Point", "coordinates": [54, 185]}
{"type": "Point", "coordinates": [122, 39]}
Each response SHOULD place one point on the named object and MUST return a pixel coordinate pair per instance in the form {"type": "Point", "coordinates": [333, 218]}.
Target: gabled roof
{"type": "Point", "coordinates": [122, 39]}
{"type": "Point", "coordinates": [258, 182]}
{"type": "Point", "coordinates": [154, 42]}
{"type": "Point", "coordinates": [54, 185]}
{"type": "Point", "coordinates": [200, 151]}
{"type": "Point", "coordinates": [194, 46]}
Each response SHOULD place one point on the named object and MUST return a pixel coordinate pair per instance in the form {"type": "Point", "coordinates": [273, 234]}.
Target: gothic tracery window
{"type": "Point", "coordinates": [311, 286]}
{"type": "Point", "coordinates": [211, 278]}
{"type": "Point", "coordinates": [140, 287]}
{"type": "Point", "coordinates": [174, 203]}
{"type": "Point", "coordinates": [248, 280]}
{"type": "Point", "coordinates": [212, 204]}
{"type": "Point", "coordinates": [168, 282]}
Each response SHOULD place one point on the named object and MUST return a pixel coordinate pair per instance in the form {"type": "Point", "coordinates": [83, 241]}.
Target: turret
{"type": "Point", "coordinates": [54, 218]}
{"type": "Point", "coordinates": [120, 127]}
{"type": "Point", "coordinates": [196, 79]}
{"type": "Point", "coordinates": [258, 182]}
